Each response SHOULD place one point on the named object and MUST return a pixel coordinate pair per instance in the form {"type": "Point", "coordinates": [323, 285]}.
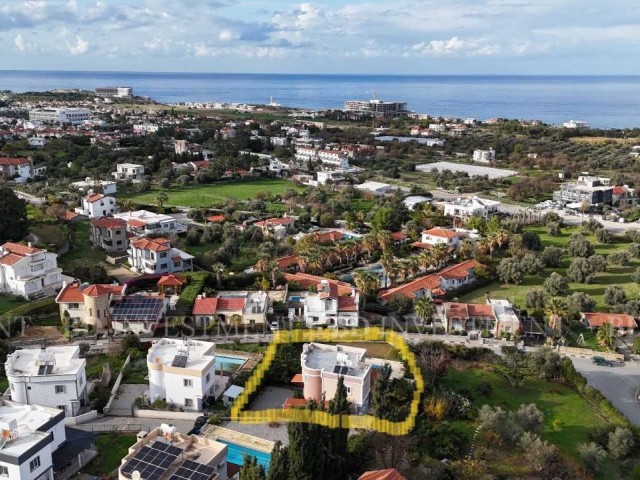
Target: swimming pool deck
{"type": "Point", "coordinates": [238, 438]}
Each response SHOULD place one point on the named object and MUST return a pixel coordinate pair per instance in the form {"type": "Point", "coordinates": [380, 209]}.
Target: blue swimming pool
{"type": "Point", "coordinates": [236, 454]}
{"type": "Point", "coordinates": [226, 363]}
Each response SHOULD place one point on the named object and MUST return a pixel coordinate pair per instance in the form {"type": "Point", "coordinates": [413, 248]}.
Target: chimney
{"type": "Point", "coordinates": [29, 244]}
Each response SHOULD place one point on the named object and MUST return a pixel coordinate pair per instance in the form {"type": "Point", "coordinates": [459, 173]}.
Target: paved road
{"type": "Point", "coordinates": [30, 198]}
{"type": "Point", "coordinates": [620, 384]}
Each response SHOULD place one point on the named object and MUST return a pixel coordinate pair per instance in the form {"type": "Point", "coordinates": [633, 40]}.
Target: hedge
{"type": "Point", "coordinates": [195, 285]}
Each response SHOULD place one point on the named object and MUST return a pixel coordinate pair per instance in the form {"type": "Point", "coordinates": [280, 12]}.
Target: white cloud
{"type": "Point", "coordinates": [440, 47]}
{"type": "Point", "coordinates": [226, 35]}
{"type": "Point", "coordinates": [79, 48]}
{"type": "Point", "coordinates": [21, 44]}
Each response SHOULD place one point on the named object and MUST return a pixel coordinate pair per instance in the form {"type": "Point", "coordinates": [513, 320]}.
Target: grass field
{"type": "Point", "coordinates": [81, 252]}
{"type": "Point", "coordinates": [567, 418]}
{"type": "Point", "coordinates": [205, 195]}
{"type": "Point", "coordinates": [376, 349]}
{"type": "Point", "coordinates": [8, 302]}
{"type": "Point", "coordinates": [112, 447]}
{"type": "Point", "coordinates": [613, 275]}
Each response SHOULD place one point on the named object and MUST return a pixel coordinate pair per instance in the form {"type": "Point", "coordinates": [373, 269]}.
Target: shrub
{"type": "Point", "coordinates": [592, 455]}
{"type": "Point", "coordinates": [619, 258]}
{"type": "Point", "coordinates": [600, 434]}
{"type": "Point", "coordinates": [556, 285]}
{"type": "Point", "coordinates": [530, 418]}
{"type": "Point", "coordinates": [159, 404]}
{"type": "Point", "coordinates": [552, 256]}
{"type": "Point", "coordinates": [614, 295]}
{"type": "Point", "coordinates": [435, 407]}
{"type": "Point", "coordinates": [214, 420]}
{"type": "Point", "coordinates": [485, 389]}
{"type": "Point", "coordinates": [620, 443]}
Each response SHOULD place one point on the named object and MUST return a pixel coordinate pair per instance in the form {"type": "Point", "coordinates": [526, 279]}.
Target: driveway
{"type": "Point", "coordinates": [127, 394]}
{"type": "Point", "coordinates": [272, 397]}
{"type": "Point", "coordinates": [620, 384]}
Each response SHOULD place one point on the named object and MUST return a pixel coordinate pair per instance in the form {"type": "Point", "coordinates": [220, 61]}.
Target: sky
{"type": "Point", "coordinates": [328, 36]}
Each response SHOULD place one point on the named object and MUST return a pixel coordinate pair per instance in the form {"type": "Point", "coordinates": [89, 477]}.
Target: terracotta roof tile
{"type": "Point", "coordinates": [14, 161]}
{"type": "Point", "coordinates": [388, 474]}
{"type": "Point", "coordinates": [154, 244]}
{"type": "Point", "coordinates": [170, 281]}
{"type": "Point", "coordinates": [109, 222]}
{"type": "Point", "coordinates": [205, 306]}
{"type": "Point", "coordinates": [95, 198]}
{"type": "Point", "coordinates": [10, 259]}
{"type": "Point", "coordinates": [617, 320]}
{"type": "Point", "coordinates": [441, 232]}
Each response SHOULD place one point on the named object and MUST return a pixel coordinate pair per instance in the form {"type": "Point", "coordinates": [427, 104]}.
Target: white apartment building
{"type": "Point", "coordinates": [165, 454]}
{"type": "Point", "coordinates": [143, 222]}
{"type": "Point", "coordinates": [53, 376]}
{"type": "Point", "coordinates": [182, 372]}
{"type": "Point", "coordinates": [117, 92]}
{"type": "Point", "coordinates": [484, 156]}
{"type": "Point", "coordinates": [376, 108]}
{"type": "Point", "coordinates": [575, 124]}
{"type": "Point", "coordinates": [17, 169]}
{"type": "Point", "coordinates": [437, 127]}
{"type": "Point", "coordinates": [156, 255]}
{"type": "Point", "coordinates": [323, 364]}
{"type": "Point", "coordinates": [145, 128]}
{"type": "Point", "coordinates": [30, 436]}
{"type": "Point", "coordinates": [471, 207]}
{"type": "Point", "coordinates": [29, 272]}
{"type": "Point", "coordinates": [89, 185]}
{"type": "Point", "coordinates": [98, 205]}
{"type": "Point", "coordinates": [129, 171]}
{"type": "Point", "coordinates": [60, 115]}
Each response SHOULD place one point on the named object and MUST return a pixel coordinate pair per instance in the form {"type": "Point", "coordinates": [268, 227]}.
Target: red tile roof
{"type": "Point", "coordinates": [170, 281]}
{"type": "Point", "coordinates": [102, 289]}
{"type": "Point", "coordinates": [14, 161]}
{"type": "Point", "coordinates": [70, 216]}
{"type": "Point", "coordinates": [109, 223]}
{"type": "Point", "coordinates": [275, 221]}
{"type": "Point", "coordinates": [328, 237]}
{"type": "Point", "coordinates": [210, 306]}
{"type": "Point", "coordinates": [347, 304]}
{"type": "Point", "coordinates": [617, 320]}
{"type": "Point", "coordinates": [468, 310]}
{"type": "Point", "coordinates": [619, 190]}
{"type": "Point", "coordinates": [398, 236]}
{"type": "Point", "coordinates": [287, 262]}
{"type": "Point", "coordinates": [231, 303]}
{"type": "Point", "coordinates": [94, 198]}
{"type": "Point", "coordinates": [21, 250]}
{"type": "Point", "coordinates": [298, 403]}
{"type": "Point", "coordinates": [297, 378]}
{"type": "Point", "coordinates": [159, 244]}
{"type": "Point", "coordinates": [388, 474]}
{"type": "Point", "coordinates": [460, 270]}
{"type": "Point", "coordinates": [70, 294]}
{"type": "Point", "coordinates": [135, 223]}
{"type": "Point", "coordinates": [215, 218]}
{"type": "Point", "coordinates": [441, 232]}
{"type": "Point", "coordinates": [10, 259]}
{"type": "Point", "coordinates": [304, 280]}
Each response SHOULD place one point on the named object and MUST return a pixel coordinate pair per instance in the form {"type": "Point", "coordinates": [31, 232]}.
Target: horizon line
{"type": "Point", "coordinates": [332, 74]}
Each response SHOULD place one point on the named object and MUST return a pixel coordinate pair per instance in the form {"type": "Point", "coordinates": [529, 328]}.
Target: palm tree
{"type": "Point", "coordinates": [268, 265]}
{"type": "Point", "coordinates": [425, 259]}
{"type": "Point", "coordinates": [384, 239]}
{"type": "Point", "coordinates": [386, 261]}
{"type": "Point", "coordinates": [465, 250]}
{"type": "Point", "coordinates": [556, 310]}
{"type": "Point", "coordinates": [424, 308]}
{"type": "Point", "coordinates": [366, 281]}
{"type": "Point", "coordinates": [218, 268]}
{"type": "Point", "coordinates": [439, 254]}
{"type": "Point", "coordinates": [370, 243]}
{"type": "Point", "coordinates": [413, 266]}
{"type": "Point", "coordinates": [161, 199]}
{"type": "Point", "coordinates": [392, 273]}
{"type": "Point", "coordinates": [126, 205]}
{"type": "Point", "coordinates": [604, 336]}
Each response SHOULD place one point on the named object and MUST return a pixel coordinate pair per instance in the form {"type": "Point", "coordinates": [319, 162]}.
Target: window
{"type": "Point", "coordinates": [208, 377]}
{"type": "Point", "coordinates": [188, 402]}
{"type": "Point", "coordinates": [176, 264]}
{"type": "Point", "coordinates": [163, 266]}
{"type": "Point", "coordinates": [35, 463]}
{"type": "Point", "coordinates": [163, 255]}
{"type": "Point", "coordinates": [4, 471]}
{"type": "Point", "coordinates": [348, 390]}
{"type": "Point", "coordinates": [188, 382]}
{"type": "Point", "coordinates": [61, 389]}
{"type": "Point", "coordinates": [74, 305]}
{"type": "Point", "coordinates": [62, 407]}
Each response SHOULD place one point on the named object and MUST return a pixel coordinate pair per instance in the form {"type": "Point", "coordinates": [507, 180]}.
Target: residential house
{"type": "Point", "coordinates": [83, 304]}
{"type": "Point", "coordinates": [471, 207]}
{"type": "Point", "coordinates": [587, 188]}
{"type": "Point", "coordinates": [128, 172]}
{"type": "Point", "coordinates": [182, 457]}
{"type": "Point", "coordinates": [441, 236]}
{"type": "Point", "coordinates": [156, 255]}
{"type": "Point", "coordinates": [232, 308]}
{"type": "Point", "coordinates": [322, 366]}
{"type": "Point", "coordinates": [143, 222]}
{"type": "Point", "coordinates": [34, 443]}
{"type": "Point", "coordinates": [435, 284]}
{"type": "Point", "coordinates": [110, 234]}
{"type": "Point", "coordinates": [414, 201]}
{"type": "Point", "coordinates": [621, 322]}
{"type": "Point", "coordinates": [89, 185]}
{"type": "Point", "coordinates": [496, 316]}
{"type": "Point", "coordinates": [98, 205]}
{"type": "Point", "coordinates": [332, 304]}
{"type": "Point", "coordinates": [28, 271]}
{"type": "Point", "coordinates": [141, 314]}
{"type": "Point", "coordinates": [484, 156]}
{"type": "Point", "coordinates": [624, 195]}
{"type": "Point", "coordinates": [17, 169]}
{"type": "Point", "coordinates": [276, 227]}
{"type": "Point", "coordinates": [182, 372]}
{"type": "Point", "coordinates": [53, 377]}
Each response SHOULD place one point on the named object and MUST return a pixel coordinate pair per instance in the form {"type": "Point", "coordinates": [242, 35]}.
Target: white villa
{"type": "Point", "coordinates": [156, 255]}
{"type": "Point", "coordinates": [143, 222]}
{"type": "Point", "coordinates": [98, 205]}
{"type": "Point", "coordinates": [29, 272]}
{"type": "Point", "coordinates": [128, 171]}
{"type": "Point", "coordinates": [182, 372]}
{"type": "Point", "coordinates": [471, 207]}
{"type": "Point", "coordinates": [53, 376]}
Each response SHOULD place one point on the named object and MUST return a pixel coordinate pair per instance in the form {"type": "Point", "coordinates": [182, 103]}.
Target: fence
{"type": "Point", "coordinates": [114, 390]}
{"type": "Point", "coordinates": [114, 428]}
{"type": "Point", "coordinates": [80, 419]}
{"type": "Point", "coordinates": [164, 415]}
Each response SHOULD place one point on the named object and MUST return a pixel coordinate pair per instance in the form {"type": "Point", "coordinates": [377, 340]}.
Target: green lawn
{"type": "Point", "coordinates": [137, 372]}
{"type": "Point", "coordinates": [205, 195]}
{"type": "Point", "coordinates": [81, 252]}
{"type": "Point", "coordinates": [614, 274]}
{"type": "Point", "coordinates": [50, 233]}
{"type": "Point", "coordinates": [567, 417]}
{"type": "Point", "coordinates": [95, 362]}
{"type": "Point", "coordinates": [8, 302]}
{"type": "Point", "coordinates": [112, 447]}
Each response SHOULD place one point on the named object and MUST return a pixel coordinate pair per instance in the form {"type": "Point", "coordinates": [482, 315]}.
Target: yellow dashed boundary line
{"type": "Point", "coordinates": [319, 417]}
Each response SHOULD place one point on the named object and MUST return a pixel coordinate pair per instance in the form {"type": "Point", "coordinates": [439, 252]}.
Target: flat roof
{"type": "Point", "coordinates": [199, 354]}
{"type": "Point", "coordinates": [29, 419]}
{"type": "Point", "coordinates": [324, 357]}
{"type": "Point", "coordinates": [144, 216]}
{"type": "Point", "coordinates": [472, 170]}
{"type": "Point", "coordinates": [28, 361]}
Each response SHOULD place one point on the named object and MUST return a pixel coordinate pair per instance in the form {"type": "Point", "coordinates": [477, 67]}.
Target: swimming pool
{"type": "Point", "coordinates": [226, 363]}
{"type": "Point", "coordinates": [236, 453]}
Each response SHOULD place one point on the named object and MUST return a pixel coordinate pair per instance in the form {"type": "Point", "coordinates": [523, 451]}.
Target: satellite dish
{"type": "Point", "coordinates": [135, 475]}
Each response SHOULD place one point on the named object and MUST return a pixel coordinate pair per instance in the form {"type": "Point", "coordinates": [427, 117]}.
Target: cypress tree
{"type": "Point", "coordinates": [279, 464]}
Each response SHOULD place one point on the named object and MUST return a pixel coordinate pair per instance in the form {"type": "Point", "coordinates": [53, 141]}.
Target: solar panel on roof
{"type": "Point", "coordinates": [46, 369]}
{"type": "Point", "coordinates": [180, 361]}
{"type": "Point", "coordinates": [152, 461]}
{"type": "Point", "coordinates": [190, 470]}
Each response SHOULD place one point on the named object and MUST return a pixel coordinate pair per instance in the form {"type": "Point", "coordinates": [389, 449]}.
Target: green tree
{"type": "Point", "coordinates": [386, 218]}
{"type": "Point", "coordinates": [251, 470]}
{"type": "Point", "coordinates": [161, 199]}
{"type": "Point", "coordinates": [604, 336]}
{"type": "Point", "coordinates": [279, 463]}
{"type": "Point", "coordinates": [513, 366]}
{"type": "Point", "coordinates": [620, 443]}
{"type": "Point", "coordinates": [592, 456]}
{"type": "Point", "coordinates": [424, 308]}
{"type": "Point", "coordinates": [337, 443]}
{"type": "Point", "coordinates": [579, 246]}
{"type": "Point", "coordinates": [307, 450]}
{"type": "Point", "coordinates": [510, 271]}
{"type": "Point", "coordinates": [14, 225]}
{"type": "Point", "coordinates": [556, 311]}
{"type": "Point", "coordinates": [556, 285]}
{"type": "Point", "coordinates": [614, 295]}
{"type": "Point", "coordinates": [551, 256]}
{"type": "Point", "coordinates": [536, 299]}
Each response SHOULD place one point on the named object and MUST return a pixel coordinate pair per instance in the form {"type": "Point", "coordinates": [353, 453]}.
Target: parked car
{"type": "Point", "coordinates": [602, 362]}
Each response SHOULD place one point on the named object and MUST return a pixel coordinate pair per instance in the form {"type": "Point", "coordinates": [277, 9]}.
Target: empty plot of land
{"type": "Point", "coordinates": [472, 170]}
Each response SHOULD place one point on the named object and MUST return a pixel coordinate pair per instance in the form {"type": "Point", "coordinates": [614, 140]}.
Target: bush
{"type": "Point", "coordinates": [556, 285]}
{"type": "Point", "coordinates": [214, 420]}
{"type": "Point", "coordinates": [620, 443]}
{"type": "Point", "coordinates": [485, 389]}
{"type": "Point", "coordinates": [435, 407]}
{"type": "Point", "coordinates": [535, 298]}
{"type": "Point", "coordinates": [552, 256]}
{"type": "Point", "coordinates": [592, 455]}
{"type": "Point", "coordinates": [530, 418]}
{"type": "Point", "coordinates": [600, 434]}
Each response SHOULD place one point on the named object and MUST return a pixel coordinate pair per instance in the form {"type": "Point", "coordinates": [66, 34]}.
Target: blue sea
{"type": "Point", "coordinates": [603, 101]}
